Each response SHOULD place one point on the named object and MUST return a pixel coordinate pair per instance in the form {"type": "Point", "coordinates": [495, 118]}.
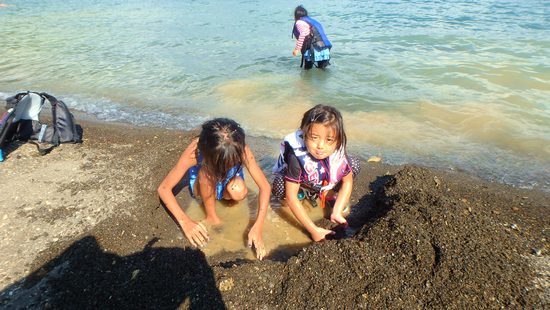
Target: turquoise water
{"type": "Point", "coordinates": [463, 85]}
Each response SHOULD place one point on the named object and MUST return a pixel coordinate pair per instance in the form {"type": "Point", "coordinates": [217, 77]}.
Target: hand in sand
{"type": "Point", "coordinates": [320, 234]}
{"type": "Point", "coordinates": [255, 238]}
{"type": "Point", "coordinates": [195, 232]}
{"type": "Point", "coordinates": [339, 219]}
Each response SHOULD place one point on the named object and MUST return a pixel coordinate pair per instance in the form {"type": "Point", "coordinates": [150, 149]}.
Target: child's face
{"type": "Point", "coordinates": [321, 142]}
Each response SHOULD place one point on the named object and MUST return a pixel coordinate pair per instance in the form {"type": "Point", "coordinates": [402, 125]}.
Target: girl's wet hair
{"type": "Point", "coordinates": [328, 116]}
{"type": "Point", "coordinates": [222, 144]}
{"type": "Point", "coordinates": [299, 12]}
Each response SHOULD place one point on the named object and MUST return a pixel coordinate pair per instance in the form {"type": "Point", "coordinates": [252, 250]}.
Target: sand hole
{"type": "Point", "coordinates": [283, 234]}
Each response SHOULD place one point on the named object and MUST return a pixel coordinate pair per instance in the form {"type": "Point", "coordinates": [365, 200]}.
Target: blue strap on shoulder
{"type": "Point", "coordinates": [317, 25]}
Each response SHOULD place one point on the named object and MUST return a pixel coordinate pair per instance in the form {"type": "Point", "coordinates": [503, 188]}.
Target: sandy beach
{"type": "Point", "coordinates": [83, 228]}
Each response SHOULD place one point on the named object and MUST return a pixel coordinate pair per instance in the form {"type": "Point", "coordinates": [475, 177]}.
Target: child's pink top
{"type": "Point", "coordinates": [304, 29]}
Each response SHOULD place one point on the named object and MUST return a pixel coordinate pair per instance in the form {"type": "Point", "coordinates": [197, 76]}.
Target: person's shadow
{"type": "Point", "coordinates": [84, 277]}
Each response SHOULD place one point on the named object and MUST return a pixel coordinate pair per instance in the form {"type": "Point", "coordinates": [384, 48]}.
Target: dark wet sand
{"type": "Point", "coordinates": [425, 238]}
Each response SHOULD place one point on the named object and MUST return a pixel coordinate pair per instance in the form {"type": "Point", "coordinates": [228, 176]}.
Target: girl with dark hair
{"type": "Point", "coordinates": [314, 160]}
{"type": "Point", "coordinates": [312, 42]}
{"type": "Point", "coordinates": [215, 162]}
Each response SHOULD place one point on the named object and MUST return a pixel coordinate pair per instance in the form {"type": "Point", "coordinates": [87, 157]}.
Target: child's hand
{"type": "Point", "coordinates": [255, 238]}
{"type": "Point", "coordinates": [339, 219]}
{"type": "Point", "coordinates": [320, 234]}
{"type": "Point", "coordinates": [195, 232]}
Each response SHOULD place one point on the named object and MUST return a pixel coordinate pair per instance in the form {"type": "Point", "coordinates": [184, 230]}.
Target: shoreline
{"type": "Point", "coordinates": [90, 207]}
{"type": "Point", "coordinates": [536, 184]}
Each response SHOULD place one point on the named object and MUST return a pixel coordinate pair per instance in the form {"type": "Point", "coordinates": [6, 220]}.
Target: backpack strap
{"type": "Point", "coordinates": [44, 151]}
{"type": "Point", "coordinates": [312, 55]}
{"type": "Point", "coordinates": [63, 120]}
{"type": "Point", "coordinates": [53, 103]}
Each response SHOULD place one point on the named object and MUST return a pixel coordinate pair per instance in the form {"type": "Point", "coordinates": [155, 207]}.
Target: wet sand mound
{"type": "Point", "coordinates": [429, 244]}
{"type": "Point", "coordinates": [428, 247]}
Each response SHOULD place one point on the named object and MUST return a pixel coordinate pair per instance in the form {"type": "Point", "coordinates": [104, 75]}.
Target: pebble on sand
{"type": "Point", "coordinates": [374, 159]}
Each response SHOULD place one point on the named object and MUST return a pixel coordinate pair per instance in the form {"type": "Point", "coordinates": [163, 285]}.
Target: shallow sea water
{"type": "Point", "coordinates": [283, 235]}
{"type": "Point", "coordinates": [457, 84]}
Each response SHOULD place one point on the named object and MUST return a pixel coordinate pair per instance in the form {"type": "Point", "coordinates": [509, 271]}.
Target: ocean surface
{"type": "Point", "coordinates": [462, 85]}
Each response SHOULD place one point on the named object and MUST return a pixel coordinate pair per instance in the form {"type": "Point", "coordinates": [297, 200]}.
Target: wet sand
{"type": "Point", "coordinates": [83, 228]}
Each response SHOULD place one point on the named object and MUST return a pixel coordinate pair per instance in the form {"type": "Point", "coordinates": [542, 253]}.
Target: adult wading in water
{"type": "Point", "coordinates": [312, 41]}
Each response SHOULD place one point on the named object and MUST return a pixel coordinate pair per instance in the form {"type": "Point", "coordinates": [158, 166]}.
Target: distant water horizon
{"type": "Point", "coordinates": [462, 85]}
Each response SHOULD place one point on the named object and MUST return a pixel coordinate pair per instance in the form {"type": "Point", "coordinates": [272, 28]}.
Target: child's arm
{"type": "Point", "coordinates": [255, 234]}
{"type": "Point", "coordinates": [304, 29]}
{"type": "Point", "coordinates": [341, 200]}
{"type": "Point", "coordinates": [194, 231]}
{"type": "Point", "coordinates": [317, 233]}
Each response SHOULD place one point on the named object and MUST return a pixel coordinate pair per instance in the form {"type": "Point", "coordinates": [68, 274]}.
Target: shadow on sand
{"type": "Point", "coordinates": [84, 277]}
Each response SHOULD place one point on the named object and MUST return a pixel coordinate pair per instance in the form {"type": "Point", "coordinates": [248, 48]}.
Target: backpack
{"type": "Point", "coordinates": [313, 41]}
{"type": "Point", "coordinates": [21, 121]}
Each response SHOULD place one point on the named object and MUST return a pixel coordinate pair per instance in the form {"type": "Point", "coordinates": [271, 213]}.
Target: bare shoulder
{"type": "Point", "coordinates": [190, 153]}
{"type": "Point", "coordinates": [248, 151]}
{"type": "Point", "coordinates": [192, 147]}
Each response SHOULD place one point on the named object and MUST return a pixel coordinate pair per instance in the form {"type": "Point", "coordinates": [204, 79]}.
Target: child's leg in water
{"type": "Point", "coordinates": [205, 186]}
{"type": "Point", "coordinates": [285, 205]}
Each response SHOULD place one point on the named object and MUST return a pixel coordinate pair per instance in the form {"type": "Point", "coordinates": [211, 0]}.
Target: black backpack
{"type": "Point", "coordinates": [21, 121]}
{"type": "Point", "coordinates": [313, 42]}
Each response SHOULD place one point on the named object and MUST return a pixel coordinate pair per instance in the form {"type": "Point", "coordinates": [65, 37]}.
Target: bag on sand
{"type": "Point", "coordinates": [21, 121]}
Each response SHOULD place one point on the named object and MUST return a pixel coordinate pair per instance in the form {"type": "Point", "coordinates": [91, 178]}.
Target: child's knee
{"type": "Point", "coordinates": [237, 189]}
